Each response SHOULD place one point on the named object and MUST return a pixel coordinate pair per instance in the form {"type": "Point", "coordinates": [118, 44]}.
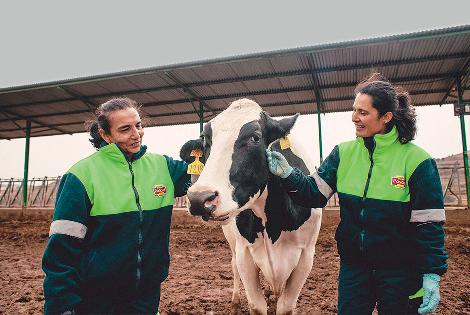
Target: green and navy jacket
{"type": "Point", "coordinates": [391, 202]}
{"type": "Point", "coordinates": [111, 227]}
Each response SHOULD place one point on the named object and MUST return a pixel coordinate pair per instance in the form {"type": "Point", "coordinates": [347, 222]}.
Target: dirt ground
{"type": "Point", "coordinates": [200, 279]}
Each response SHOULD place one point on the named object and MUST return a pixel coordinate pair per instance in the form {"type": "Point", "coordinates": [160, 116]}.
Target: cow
{"type": "Point", "coordinates": [265, 230]}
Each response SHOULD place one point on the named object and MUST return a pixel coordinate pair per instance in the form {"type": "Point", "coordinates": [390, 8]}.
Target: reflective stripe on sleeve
{"type": "Point", "coordinates": [67, 227]}
{"type": "Point", "coordinates": [428, 215]}
{"type": "Point", "coordinates": [323, 187]}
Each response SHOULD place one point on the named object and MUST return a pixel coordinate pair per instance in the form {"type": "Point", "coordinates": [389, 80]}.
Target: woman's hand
{"type": "Point", "coordinates": [431, 296]}
{"type": "Point", "coordinates": [278, 164]}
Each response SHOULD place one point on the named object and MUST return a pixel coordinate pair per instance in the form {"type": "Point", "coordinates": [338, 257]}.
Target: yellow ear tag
{"type": "Point", "coordinates": [284, 142]}
{"type": "Point", "coordinates": [195, 168]}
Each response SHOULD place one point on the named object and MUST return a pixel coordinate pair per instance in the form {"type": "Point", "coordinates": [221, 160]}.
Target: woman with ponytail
{"type": "Point", "coordinates": [109, 239]}
{"type": "Point", "coordinates": [390, 238]}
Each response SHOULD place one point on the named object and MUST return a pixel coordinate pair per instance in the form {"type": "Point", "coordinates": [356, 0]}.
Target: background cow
{"type": "Point", "coordinates": [265, 230]}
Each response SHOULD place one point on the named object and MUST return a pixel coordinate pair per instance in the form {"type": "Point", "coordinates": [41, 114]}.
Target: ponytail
{"type": "Point", "coordinates": [404, 118]}
{"type": "Point", "coordinates": [95, 137]}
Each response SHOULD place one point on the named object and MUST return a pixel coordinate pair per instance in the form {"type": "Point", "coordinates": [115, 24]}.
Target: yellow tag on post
{"type": "Point", "coordinates": [284, 142]}
{"type": "Point", "coordinates": [196, 167]}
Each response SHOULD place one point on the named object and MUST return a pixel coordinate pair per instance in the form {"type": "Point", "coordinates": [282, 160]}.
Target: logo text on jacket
{"type": "Point", "coordinates": [399, 181]}
{"type": "Point", "coordinates": [159, 190]}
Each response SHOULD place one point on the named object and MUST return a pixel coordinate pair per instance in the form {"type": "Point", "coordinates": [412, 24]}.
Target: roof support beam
{"type": "Point", "coordinates": [188, 91]}
{"type": "Point", "coordinates": [91, 105]}
{"type": "Point", "coordinates": [463, 71]}
{"type": "Point", "coordinates": [31, 119]}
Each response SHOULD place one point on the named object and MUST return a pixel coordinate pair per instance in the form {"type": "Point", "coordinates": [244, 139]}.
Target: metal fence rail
{"type": "Point", "coordinates": [42, 191]}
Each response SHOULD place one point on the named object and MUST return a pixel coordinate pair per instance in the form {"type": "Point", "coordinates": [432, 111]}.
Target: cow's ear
{"type": "Point", "coordinates": [275, 129]}
{"type": "Point", "coordinates": [188, 147]}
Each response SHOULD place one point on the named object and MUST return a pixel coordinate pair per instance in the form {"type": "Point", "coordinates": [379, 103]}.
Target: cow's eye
{"type": "Point", "coordinates": [255, 139]}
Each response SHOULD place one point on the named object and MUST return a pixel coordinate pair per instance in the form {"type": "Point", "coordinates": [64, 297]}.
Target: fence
{"type": "Point", "coordinates": [42, 191]}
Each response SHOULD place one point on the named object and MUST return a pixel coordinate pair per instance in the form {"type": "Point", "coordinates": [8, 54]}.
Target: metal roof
{"type": "Point", "coordinates": [283, 82]}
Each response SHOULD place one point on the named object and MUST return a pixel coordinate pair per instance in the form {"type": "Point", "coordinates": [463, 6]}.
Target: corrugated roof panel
{"type": "Point", "coordinates": [48, 94]}
{"type": "Point", "coordinates": [304, 108]}
{"type": "Point", "coordinates": [207, 73]}
{"type": "Point", "coordinates": [295, 81]}
{"type": "Point", "coordinates": [143, 98]}
{"type": "Point", "coordinates": [162, 109]}
{"type": "Point", "coordinates": [302, 96]}
{"type": "Point", "coordinates": [271, 98]}
{"type": "Point", "coordinates": [219, 89]}
{"type": "Point", "coordinates": [168, 95]}
{"type": "Point", "coordinates": [174, 120]}
{"type": "Point", "coordinates": [118, 85]}
{"type": "Point", "coordinates": [262, 85]}
{"type": "Point", "coordinates": [9, 124]}
{"type": "Point", "coordinates": [216, 104]}
{"type": "Point", "coordinates": [148, 81]}
{"type": "Point", "coordinates": [289, 62]}
{"type": "Point", "coordinates": [427, 99]}
{"type": "Point", "coordinates": [252, 67]}
{"type": "Point", "coordinates": [50, 108]}
{"type": "Point", "coordinates": [86, 89]}
{"type": "Point", "coordinates": [335, 93]}
{"type": "Point", "coordinates": [184, 76]}
{"type": "Point", "coordinates": [13, 98]}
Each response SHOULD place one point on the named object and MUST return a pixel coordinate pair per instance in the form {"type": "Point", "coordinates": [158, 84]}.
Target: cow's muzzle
{"type": "Point", "coordinates": [203, 203]}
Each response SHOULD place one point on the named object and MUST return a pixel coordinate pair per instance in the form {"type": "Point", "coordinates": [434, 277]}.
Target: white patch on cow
{"type": "Point", "coordinates": [216, 174]}
{"type": "Point", "coordinates": [258, 204]}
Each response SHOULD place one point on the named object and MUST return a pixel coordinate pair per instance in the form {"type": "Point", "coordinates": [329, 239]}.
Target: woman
{"type": "Point", "coordinates": [108, 246]}
{"type": "Point", "coordinates": [390, 238]}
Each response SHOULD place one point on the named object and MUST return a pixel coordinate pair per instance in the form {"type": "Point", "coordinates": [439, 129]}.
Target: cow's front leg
{"type": "Point", "coordinates": [288, 299]}
{"type": "Point", "coordinates": [231, 239]}
{"type": "Point", "coordinates": [236, 306]}
{"type": "Point", "coordinates": [249, 273]}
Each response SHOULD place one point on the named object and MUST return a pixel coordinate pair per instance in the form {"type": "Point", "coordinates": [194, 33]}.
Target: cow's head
{"type": "Point", "coordinates": [235, 172]}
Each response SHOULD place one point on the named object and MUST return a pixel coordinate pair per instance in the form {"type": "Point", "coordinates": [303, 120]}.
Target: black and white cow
{"type": "Point", "coordinates": [265, 229]}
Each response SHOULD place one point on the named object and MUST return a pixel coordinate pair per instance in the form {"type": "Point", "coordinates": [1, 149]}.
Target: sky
{"type": "Point", "coordinates": [44, 41]}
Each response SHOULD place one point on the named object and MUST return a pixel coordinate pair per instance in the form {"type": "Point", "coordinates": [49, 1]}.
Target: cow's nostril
{"type": "Point", "coordinates": [202, 202]}
{"type": "Point", "coordinates": [213, 196]}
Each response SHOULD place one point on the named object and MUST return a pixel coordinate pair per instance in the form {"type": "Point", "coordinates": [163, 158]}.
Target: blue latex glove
{"type": "Point", "coordinates": [431, 296]}
{"type": "Point", "coordinates": [278, 164]}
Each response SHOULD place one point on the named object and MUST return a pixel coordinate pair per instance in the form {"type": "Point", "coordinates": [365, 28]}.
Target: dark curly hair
{"type": "Point", "coordinates": [101, 119]}
{"type": "Point", "coordinates": [388, 98]}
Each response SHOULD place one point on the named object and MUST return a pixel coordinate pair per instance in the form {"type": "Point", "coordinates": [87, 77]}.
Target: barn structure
{"type": "Point", "coordinates": [434, 66]}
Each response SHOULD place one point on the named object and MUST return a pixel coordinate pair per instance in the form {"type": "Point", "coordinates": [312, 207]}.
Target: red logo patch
{"type": "Point", "coordinates": [399, 181]}
{"type": "Point", "coordinates": [159, 190]}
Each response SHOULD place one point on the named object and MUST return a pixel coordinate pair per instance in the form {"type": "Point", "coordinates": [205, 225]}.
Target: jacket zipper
{"type": "Point", "coordinates": [362, 234]}
{"type": "Point", "coordinates": [141, 221]}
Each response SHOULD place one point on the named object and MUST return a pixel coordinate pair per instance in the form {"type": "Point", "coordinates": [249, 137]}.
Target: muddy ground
{"type": "Point", "coordinates": [200, 279]}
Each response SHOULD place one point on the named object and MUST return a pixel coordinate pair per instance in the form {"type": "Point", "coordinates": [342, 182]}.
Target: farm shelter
{"type": "Point", "coordinates": [434, 66]}
{"type": "Point", "coordinates": [282, 82]}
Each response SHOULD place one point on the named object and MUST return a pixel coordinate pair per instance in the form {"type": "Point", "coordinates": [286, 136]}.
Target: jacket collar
{"type": "Point", "coordinates": [380, 141]}
{"type": "Point", "coordinates": [114, 152]}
